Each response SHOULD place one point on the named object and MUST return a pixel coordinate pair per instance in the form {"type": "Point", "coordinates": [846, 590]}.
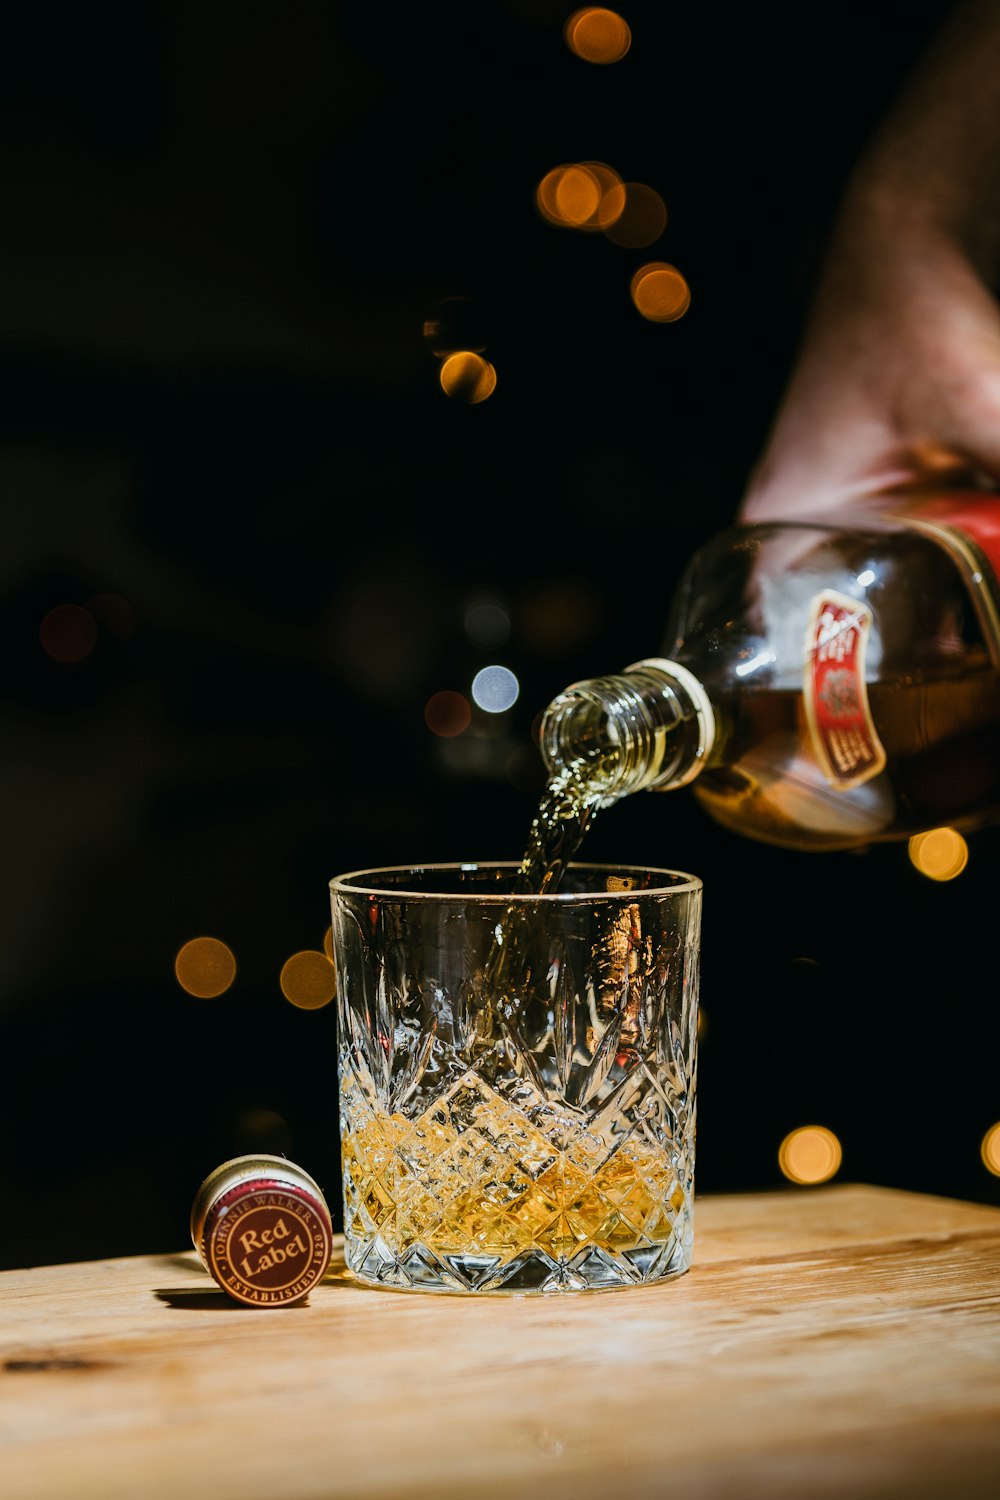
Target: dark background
{"type": "Point", "coordinates": [225, 227]}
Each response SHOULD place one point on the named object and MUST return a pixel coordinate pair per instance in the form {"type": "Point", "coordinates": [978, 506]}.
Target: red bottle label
{"type": "Point", "coordinates": [836, 698]}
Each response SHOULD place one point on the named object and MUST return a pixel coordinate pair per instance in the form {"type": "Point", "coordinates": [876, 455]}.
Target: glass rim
{"type": "Point", "coordinates": [340, 883]}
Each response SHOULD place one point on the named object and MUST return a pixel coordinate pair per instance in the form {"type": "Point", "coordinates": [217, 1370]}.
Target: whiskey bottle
{"type": "Point", "coordinates": [823, 686]}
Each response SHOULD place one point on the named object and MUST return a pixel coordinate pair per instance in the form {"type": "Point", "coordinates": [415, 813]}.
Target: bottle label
{"type": "Point", "coordinates": [836, 698]}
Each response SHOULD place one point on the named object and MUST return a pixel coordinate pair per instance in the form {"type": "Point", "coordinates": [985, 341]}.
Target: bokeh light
{"type": "Point", "coordinates": [328, 943]}
{"type": "Point", "coordinates": [809, 1155]}
{"type": "Point", "coordinates": [612, 195]}
{"type": "Point", "coordinates": [447, 713]}
{"type": "Point", "coordinates": [568, 195]}
{"type": "Point", "coordinates": [634, 215]}
{"type": "Point", "coordinates": [308, 979]}
{"type": "Point", "coordinates": [260, 1129]}
{"type": "Point", "coordinates": [467, 377]}
{"type": "Point", "coordinates": [940, 854]}
{"type": "Point", "coordinates": [577, 195]}
{"type": "Point", "coordinates": [559, 615]}
{"type": "Point", "coordinates": [205, 967]}
{"type": "Point", "coordinates": [990, 1149]}
{"type": "Point", "coordinates": [587, 195]}
{"type": "Point", "coordinates": [487, 623]}
{"type": "Point", "coordinates": [545, 195]}
{"type": "Point", "coordinates": [114, 612]}
{"type": "Point", "coordinates": [68, 633]}
{"type": "Point", "coordinates": [597, 35]}
{"type": "Point", "coordinates": [495, 689]}
{"type": "Point", "coordinates": [660, 292]}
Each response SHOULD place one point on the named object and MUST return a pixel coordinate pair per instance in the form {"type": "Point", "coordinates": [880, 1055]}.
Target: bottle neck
{"type": "Point", "coordinates": [649, 727]}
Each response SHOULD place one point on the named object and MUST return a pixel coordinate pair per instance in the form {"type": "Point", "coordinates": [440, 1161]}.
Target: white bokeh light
{"type": "Point", "coordinates": [495, 689]}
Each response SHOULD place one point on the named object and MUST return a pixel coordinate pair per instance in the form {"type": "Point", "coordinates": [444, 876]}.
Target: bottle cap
{"type": "Point", "coordinates": [262, 1228]}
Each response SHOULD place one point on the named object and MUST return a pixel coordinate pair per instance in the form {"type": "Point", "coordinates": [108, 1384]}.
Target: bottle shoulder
{"type": "Point", "coordinates": [744, 615]}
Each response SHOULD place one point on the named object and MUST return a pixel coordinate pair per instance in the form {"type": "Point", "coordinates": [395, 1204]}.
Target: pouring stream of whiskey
{"type": "Point", "coordinates": [566, 809]}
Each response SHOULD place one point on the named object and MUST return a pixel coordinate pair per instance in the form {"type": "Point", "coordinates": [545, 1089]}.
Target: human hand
{"type": "Point", "coordinates": [897, 381]}
{"type": "Point", "coordinates": [897, 385]}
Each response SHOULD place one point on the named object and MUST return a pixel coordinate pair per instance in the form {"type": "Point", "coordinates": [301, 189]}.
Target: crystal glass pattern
{"type": "Point", "coordinates": [517, 1076]}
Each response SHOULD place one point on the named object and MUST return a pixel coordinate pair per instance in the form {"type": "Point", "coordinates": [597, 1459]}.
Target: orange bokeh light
{"type": "Point", "coordinates": [633, 215]}
{"type": "Point", "coordinates": [660, 292]}
{"type": "Point", "coordinates": [577, 196]}
{"type": "Point", "coordinates": [308, 979]}
{"type": "Point", "coordinates": [597, 35]}
{"type": "Point", "coordinates": [989, 1150]}
{"type": "Point", "coordinates": [581, 195]}
{"type": "Point", "coordinates": [940, 854]}
{"type": "Point", "coordinates": [547, 193]}
{"type": "Point", "coordinates": [810, 1155]}
{"type": "Point", "coordinates": [205, 967]}
{"type": "Point", "coordinates": [467, 377]}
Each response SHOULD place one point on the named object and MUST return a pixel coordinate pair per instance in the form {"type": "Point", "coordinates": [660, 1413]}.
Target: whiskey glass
{"type": "Point", "coordinates": [517, 1076]}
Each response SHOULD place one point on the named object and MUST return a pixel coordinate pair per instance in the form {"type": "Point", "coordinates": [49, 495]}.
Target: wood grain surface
{"type": "Point", "coordinates": [833, 1342]}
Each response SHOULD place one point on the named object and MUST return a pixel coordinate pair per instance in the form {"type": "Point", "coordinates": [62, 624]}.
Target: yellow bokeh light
{"type": "Point", "coordinates": [940, 854]}
{"type": "Point", "coordinates": [466, 376]}
{"type": "Point", "coordinates": [660, 292]}
{"type": "Point", "coordinates": [205, 967]}
{"type": "Point", "coordinates": [810, 1154]}
{"type": "Point", "coordinates": [990, 1149]}
{"type": "Point", "coordinates": [308, 979]}
{"type": "Point", "coordinates": [634, 215]}
{"type": "Point", "coordinates": [597, 35]}
{"type": "Point", "coordinates": [328, 943]}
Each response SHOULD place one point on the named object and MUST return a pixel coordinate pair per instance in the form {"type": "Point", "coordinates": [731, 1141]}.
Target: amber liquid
{"type": "Point", "coordinates": [472, 1176]}
{"type": "Point", "coordinates": [942, 744]}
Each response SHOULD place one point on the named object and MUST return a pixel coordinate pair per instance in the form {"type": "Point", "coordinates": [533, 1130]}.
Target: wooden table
{"type": "Point", "coordinates": [833, 1342]}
